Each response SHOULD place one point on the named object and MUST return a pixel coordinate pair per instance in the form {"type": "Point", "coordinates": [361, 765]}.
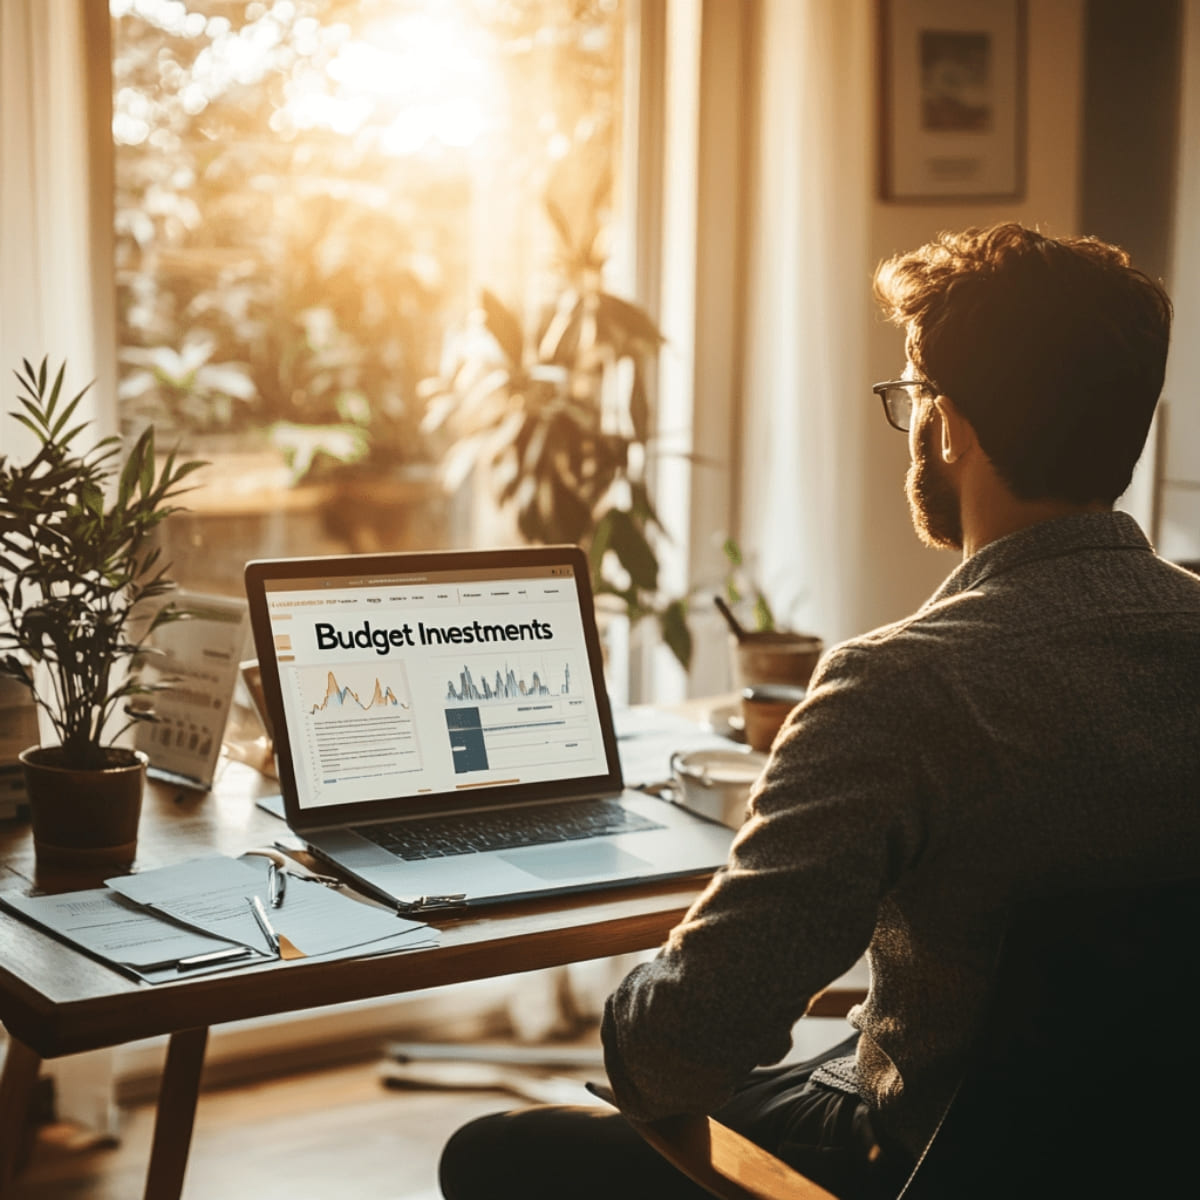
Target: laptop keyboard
{"type": "Point", "coordinates": [470, 833]}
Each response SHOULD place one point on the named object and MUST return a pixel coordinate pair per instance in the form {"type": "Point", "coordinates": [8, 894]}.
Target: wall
{"type": "Point", "coordinates": [813, 343]}
{"type": "Point", "coordinates": [1179, 526]}
{"type": "Point", "coordinates": [902, 573]}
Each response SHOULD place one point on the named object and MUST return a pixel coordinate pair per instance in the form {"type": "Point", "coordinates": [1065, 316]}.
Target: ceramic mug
{"type": "Point", "coordinates": [716, 783]}
{"type": "Point", "coordinates": [765, 707]}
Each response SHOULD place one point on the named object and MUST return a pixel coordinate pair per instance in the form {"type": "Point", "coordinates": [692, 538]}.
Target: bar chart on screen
{"type": "Point", "coordinates": [513, 712]}
{"type": "Point", "coordinates": [509, 679]}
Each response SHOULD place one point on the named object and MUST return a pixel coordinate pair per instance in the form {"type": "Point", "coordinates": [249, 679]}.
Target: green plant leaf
{"type": "Point", "coordinates": [601, 539]}
{"type": "Point", "coordinates": [633, 551]}
{"type": "Point", "coordinates": [764, 618]}
{"type": "Point", "coordinates": [639, 406]}
{"type": "Point", "coordinates": [672, 622]}
{"type": "Point", "coordinates": [559, 342]}
{"type": "Point", "coordinates": [561, 226]}
{"type": "Point", "coordinates": [643, 507]}
{"type": "Point", "coordinates": [14, 668]}
{"type": "Point", "coordinates": [624, 321]}
{"type": "Point", "coordinates": [504, 327]}
{"type": "Point", "coordinates": [35, 429]}
{"type": "Point", "coordinates": [145, 447]}
{"type": "Point", "coordinates": [93, 498]}
{"type": "Point", "coordinates": [56, 429]}
{"type": "Point", "coordinates": [55, 390]}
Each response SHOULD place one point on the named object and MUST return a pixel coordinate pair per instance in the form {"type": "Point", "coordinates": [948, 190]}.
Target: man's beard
{"type": "Point", "coordinates": [932, 501]}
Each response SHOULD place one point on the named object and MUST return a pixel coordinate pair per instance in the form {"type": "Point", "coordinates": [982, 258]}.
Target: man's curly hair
{"type": "Point", "coordinates": [1053, 348]}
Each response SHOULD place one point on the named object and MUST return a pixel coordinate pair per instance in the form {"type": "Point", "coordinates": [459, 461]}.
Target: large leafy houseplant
{"type": "Point", "coordinates": [76, 561]}
{"type": "Point", "coordinates": [559, 411]}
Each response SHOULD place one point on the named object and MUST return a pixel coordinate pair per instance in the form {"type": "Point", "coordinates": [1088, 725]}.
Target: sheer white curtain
{"type": "Point", "coordinates": [1179, 468]}
{"type": "Point", "coordinates": [808, 307]}
{"type": "Point", "coordinates": [55, 207]}
{"type": "Point", "coordinates": [56, 282]}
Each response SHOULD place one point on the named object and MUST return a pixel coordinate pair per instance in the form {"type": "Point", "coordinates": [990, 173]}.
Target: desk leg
{"type": "Point", "coordinates": [176, 1113]}
{"type": "Point", "coordinates": [20, 1076]}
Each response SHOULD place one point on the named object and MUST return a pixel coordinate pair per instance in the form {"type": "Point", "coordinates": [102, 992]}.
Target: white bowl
{"type": "Point", "coordinates": [716, 783]}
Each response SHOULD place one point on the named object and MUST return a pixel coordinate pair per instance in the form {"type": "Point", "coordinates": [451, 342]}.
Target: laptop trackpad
{"type": "Point", "coordinates": [564, 862]}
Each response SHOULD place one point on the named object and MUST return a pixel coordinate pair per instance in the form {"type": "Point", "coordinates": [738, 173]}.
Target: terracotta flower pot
{"type": "Point", "coordinates": [84, 817]}
{"type": "Point", "coordinates": [787, 658]}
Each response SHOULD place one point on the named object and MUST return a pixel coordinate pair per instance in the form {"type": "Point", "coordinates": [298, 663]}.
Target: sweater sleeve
{"type": "Point", "coordinates": [834, 821]}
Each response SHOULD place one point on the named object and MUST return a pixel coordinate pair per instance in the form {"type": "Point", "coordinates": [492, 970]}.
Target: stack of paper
{"type": "Point", "coordinates": [126, 936]}
{"type": "Point", "coordinates": [195, 917]}
{"type": "Point", "coordinates": [210, 894]}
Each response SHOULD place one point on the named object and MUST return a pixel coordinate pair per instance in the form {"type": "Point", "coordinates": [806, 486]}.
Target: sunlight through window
{"type": "Point", "coordinates": [312, 197]}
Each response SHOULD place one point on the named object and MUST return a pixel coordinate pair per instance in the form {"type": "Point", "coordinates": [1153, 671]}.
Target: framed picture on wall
{"type": "Point", "coordinates": [952, 100]}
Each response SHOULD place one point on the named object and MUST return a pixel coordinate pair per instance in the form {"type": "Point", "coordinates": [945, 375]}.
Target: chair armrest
{"type": "Point", "coordinates": [725, 1163]}
{"type": "Point", "coordinates": [721, 1161]}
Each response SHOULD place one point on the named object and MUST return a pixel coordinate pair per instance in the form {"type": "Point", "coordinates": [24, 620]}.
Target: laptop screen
{"type": "Point", "coordinates": [465, 676]}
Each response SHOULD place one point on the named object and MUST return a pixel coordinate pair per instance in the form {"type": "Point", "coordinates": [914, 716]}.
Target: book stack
{"type": "Point", "coordinates": [18, 731]}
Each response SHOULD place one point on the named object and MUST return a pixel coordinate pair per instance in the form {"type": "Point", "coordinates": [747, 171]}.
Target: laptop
{"type": "Point", "coordinates": [442, 730]}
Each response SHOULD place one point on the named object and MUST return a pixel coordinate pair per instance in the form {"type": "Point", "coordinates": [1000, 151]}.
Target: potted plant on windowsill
{"type": "Point", "coordinates": [76, 561]}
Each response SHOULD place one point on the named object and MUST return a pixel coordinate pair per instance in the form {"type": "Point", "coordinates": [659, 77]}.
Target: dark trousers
{"type": "Point", "coordinates": [552, 1151]}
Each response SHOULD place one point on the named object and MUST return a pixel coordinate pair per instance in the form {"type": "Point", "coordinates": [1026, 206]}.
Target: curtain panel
{"type": "Point", "coordinates": [807, 312]}
{"type": "Point", "coordinates": [56, 292]}
{"type": "Point", "coordinates": [1179, 474]}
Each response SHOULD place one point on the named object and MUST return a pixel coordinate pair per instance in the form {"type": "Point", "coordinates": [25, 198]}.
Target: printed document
{"type": "Point", "coordinates": [121, 933]}
{"type": "Point", "coordinates": [210, 894]}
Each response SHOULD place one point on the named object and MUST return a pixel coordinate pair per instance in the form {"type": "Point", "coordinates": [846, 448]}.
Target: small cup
{"type": "Point", "coordinates": [765, 707]}
{"type": "Point", "coordinates": [716, 783]}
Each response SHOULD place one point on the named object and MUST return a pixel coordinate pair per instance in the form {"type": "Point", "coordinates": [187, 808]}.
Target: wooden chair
{"type": "Point", "coordinates": [1084, 1082]}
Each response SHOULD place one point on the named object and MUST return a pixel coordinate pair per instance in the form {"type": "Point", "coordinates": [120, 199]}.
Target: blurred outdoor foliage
{"type": "Point", "coordinates": [303, 222]}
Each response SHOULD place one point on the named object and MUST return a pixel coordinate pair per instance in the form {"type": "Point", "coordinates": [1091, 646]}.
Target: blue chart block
{"type": "Point", "coordinates": [467, 747]}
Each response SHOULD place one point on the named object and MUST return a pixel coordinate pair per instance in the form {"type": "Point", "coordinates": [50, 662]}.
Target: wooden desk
{"type": "Point", "coordinates": [55, 1001]}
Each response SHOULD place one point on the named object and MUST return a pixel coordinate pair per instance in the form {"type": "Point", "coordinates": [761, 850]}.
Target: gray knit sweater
{"type": "Point", "coordinates": [1034, 727]}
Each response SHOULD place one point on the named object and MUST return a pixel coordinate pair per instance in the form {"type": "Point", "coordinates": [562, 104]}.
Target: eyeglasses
{"type": "Point", "coordinates": [899, 401]}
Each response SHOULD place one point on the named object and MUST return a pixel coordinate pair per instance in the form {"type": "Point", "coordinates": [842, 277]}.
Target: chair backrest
{"type": "Point", "coordinates": [1086, 1076]}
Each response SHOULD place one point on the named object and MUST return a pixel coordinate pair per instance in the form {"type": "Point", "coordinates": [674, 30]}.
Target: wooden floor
{"type": "Point", "coordinates": [332, 1133]}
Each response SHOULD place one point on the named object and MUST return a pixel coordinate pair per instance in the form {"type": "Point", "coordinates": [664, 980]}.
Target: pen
{"type": "Point", "coordinates": [276, 884]}
{"type": "Point", "coordinates": [210, 958]}
{"type": "Point", "coordinates": [260, 915]}
{"type": "Point", "coordinates": [213, 958]}
{"type": "Point", "coordinates": [419, 904]}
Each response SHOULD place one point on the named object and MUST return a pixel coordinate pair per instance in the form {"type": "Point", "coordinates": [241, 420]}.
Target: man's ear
{"type": "Point", "coordinates": [957, 434]}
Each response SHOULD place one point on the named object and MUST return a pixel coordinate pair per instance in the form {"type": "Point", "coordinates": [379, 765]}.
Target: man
{"type": "Point", "coordinates": [1032, 729]}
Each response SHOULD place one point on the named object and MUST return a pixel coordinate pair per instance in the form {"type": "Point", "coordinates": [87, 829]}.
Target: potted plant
{"type": "Point", "coordinates": [762, 651]}
{"type": "Point", "coordinates": [76, 561]}
{"type": "Point", "coordinates": [564, 432]}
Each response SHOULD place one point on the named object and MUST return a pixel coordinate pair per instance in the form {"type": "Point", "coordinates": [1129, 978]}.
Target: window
{"type": "Point", "coordinates": [311, 196]}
